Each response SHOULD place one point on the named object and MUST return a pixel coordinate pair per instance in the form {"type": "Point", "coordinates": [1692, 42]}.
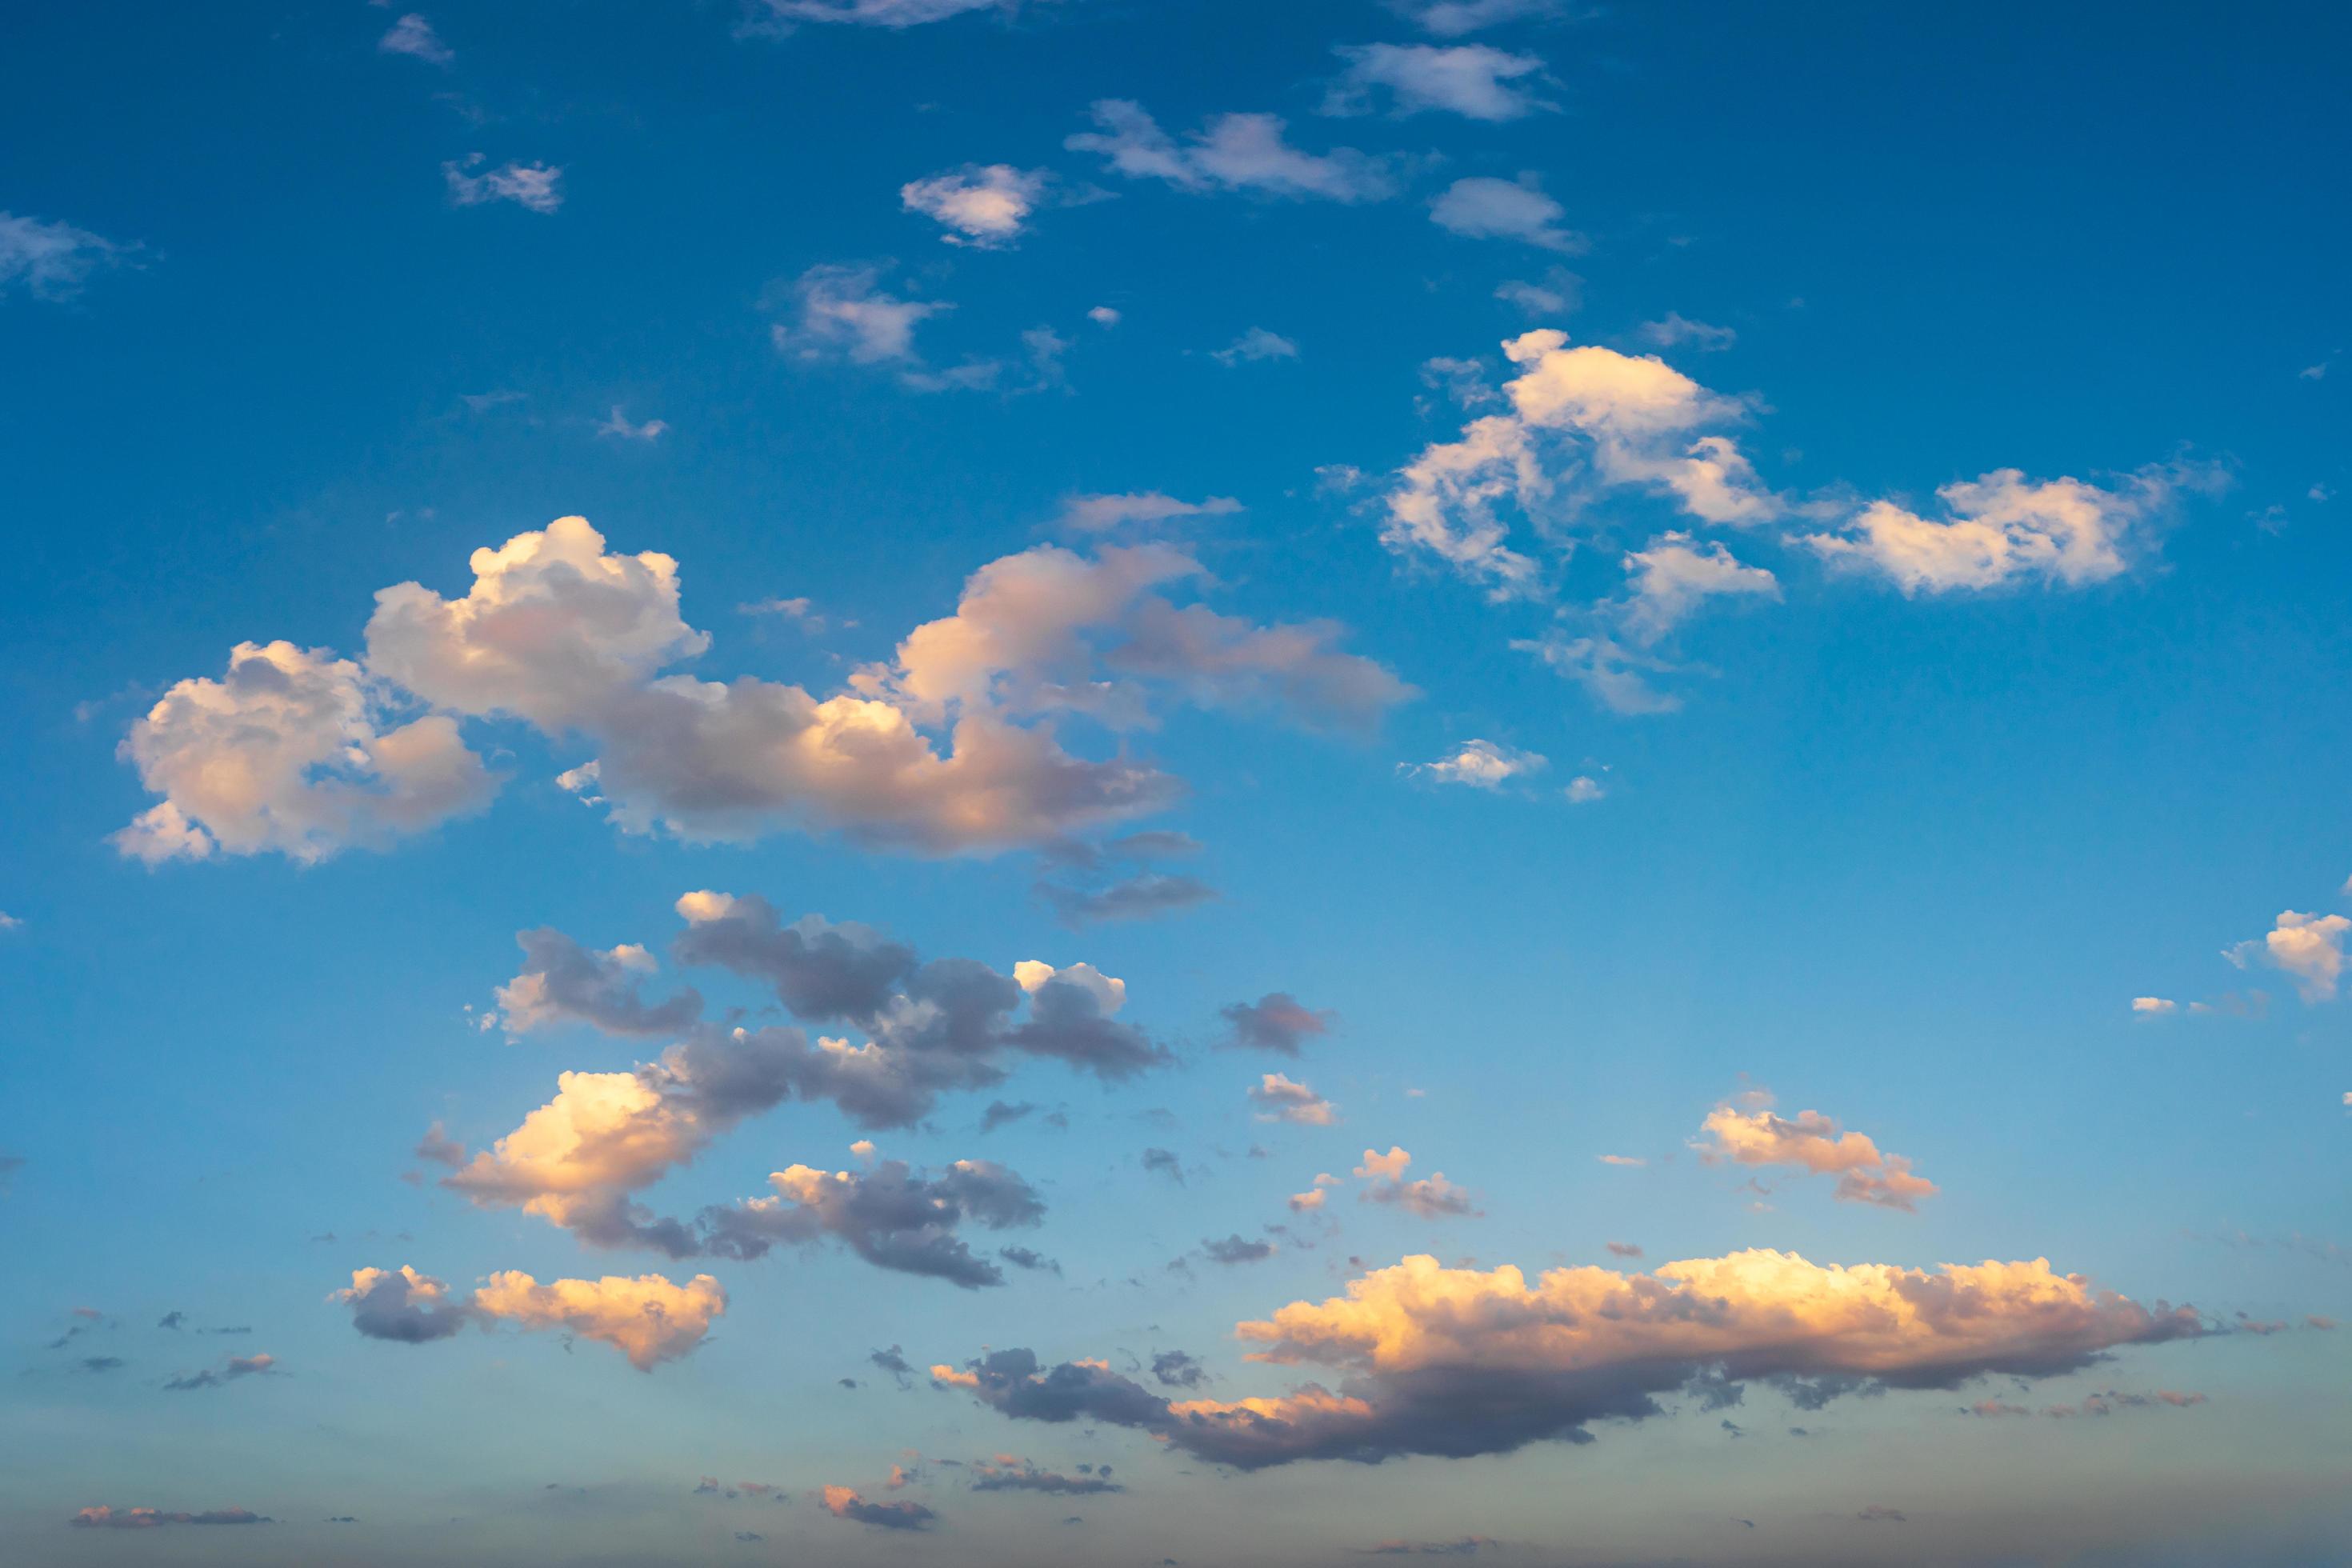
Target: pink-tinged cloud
{"type": "Point", "coordinates": [648, 1319]}
{"type": "Point", "coordinates": [1811, 1141]}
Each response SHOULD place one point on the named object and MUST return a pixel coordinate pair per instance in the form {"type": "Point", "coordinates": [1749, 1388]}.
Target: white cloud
{"type": "Point", "coordinates": [1583, 790]}
{"type": "Point", "coordinates": [1557, 293]}
{"type": "Point", "coordinates": [1432, 1198]}
{"type": "Point", "coordinates": [845, 313]}
{"type": "Point", "coordinates": [1102, 316]}
{"type": "Point", "coordinates": [1483, 207]}
{"type": "Point", "coordinates": [619, 428]}
{"type": "Point", "coordinates": [1104, 513]}
{"type": "Point", "coordinates": [2308, 946]}
{"type": "Point", "coordinates": [1483, 764]}
{"type": "Point", "coordinates": [979, 204]}
{"type": "Point", "coordinates": [290, 752]}
{"type": "Point", "coordinates": [2150, 1005]}
{"type": "Point", "coordinates": [1281, 1098]}
{"type": "Point", "coordinates": [51, 260]}
{"type": "Point", "coordinates": [1674, 574]}
{"type": "Point", "coordinates": [1452, 18]}
{"type": "Point", "coordinates": [892, 13]}
{"type": "Point", "coordinates": [2000, 530]}
{"type": "Point", "coordinates": [414, 35]}
{"type": "Point", "coordinates": [535, 186]}
{"type": "Point", "coordinates": [1469, 79]}
{"type": "Point", "coordinates": [1256, 345]}
{"type": "Point", "coordinates": [1677, 329]}
{"type": "Point", "coordinates": [1229, 153]}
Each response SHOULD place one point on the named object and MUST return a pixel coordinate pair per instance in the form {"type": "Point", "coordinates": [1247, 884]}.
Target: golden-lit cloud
{"type": "Point", "coordinates": [1809, 1140]}
{"type": "Point", "coordinates": [648, 1319]}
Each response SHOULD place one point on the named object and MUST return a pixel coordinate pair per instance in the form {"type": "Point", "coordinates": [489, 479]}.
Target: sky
{"type": "Point", "coordinates": [1089, 782]}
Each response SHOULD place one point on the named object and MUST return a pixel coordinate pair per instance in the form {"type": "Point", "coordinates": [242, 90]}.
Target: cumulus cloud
{"type": "Point", "coordinates": [105, 1516]}
{"type": "Point", "coordinates": [2309, 947]}
{"type": "Point", "coordinates": [1245, 153]}
{"type": "Point", "coordinates": [2002, 530]}
{"type": "Point", "coordinates": [983, 205]}
{"type": "Point", "coordinates": [292, 752]}
{"type": "Point", "coordinates": [562, 982]}
{"type": "Point", "coordinates": [1462, 1361]}
{"type": "Point", "coordinates": [295, 750]}
{"type": "Point", "coordinates": [535, 187]}
{"type": "Point", "coordinates": [402, 1306]}
{"type": "Point", "coordinates": [1469, 79]}
{"type": "Point", "coordinates": [649, 1318]}
{"type": "Point", "coordinates": [1480, 206]}
{"type": "Point", "coordinates": [1275, 1021]}
{"type": "Point", "coordinates": [52, 260]}
{"type": "Point", "coordinates": [1483, 764]}
{"type": "Point", "coordinates": [1430, 1198]}
{"type": "Point", "coordinates": [1278, 1099]}
{"type": "Point", "coordinates": [892, 1216]}
{"type": "Point", "coordinates": [1751, 1134]}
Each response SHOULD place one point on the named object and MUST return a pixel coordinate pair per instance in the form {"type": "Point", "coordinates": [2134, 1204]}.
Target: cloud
{"type": "Point", "coordinates": [1237, 1248]}
{"type": "Point", "coordinates": [648, 1319]}
{"type": "Point", "coordinates": [229, 1371]}
{"type": "Point", "coordinates": [1144, 896]}
{"type": "Point", "coordinates": [1463, 1546]}
{"type": "Point", "coordinates": [562, 982]}
{"type": "Point", "coordinates": [891, 14]}
{"type": "Point", "coordinates": [1559, 292]}
{"type": "Point", "coordinates": [536, 187]}
{"type": "Point", "coordinates": [1105, 513]}
{"type": "Point", "coordinates": [843, 1503]}
{"type": "Point", "coordinates": [2153, 1005]}
{"type": "Point", "coordinates": [1583, 790]}
{"type": "Point", "coordinates": [844, 313]}
{"type": "Point", "coordinates": [1677, 329]}
{"type": "Point", "coordinates": [291, 752]}
{"type": "Point", "coordinates": [1814, 1142]}
{"type": "Point", "coordinates": [1462, 1361]}
{"type": "Point", "coordinates": [1485, 764]}
{"type": "Point", "coordinates": [1022, 1476]}
{"type": "Point", "coordinates": [1469, 79]}
{"type": "Point", "coordinates": [617, 426]}
{"type": "Point", "coordinates": [982, 206]}
{"type": "Point", "coordinates": [402, 1306]}
{"type": "Point", "coordinates": [414, 35]}
{"type": "Point", "coordinates": [1165, 1161]}
{"type": "Point", "coordinates": [891, 1216]}
{"type": "Point", "coordinates": [1255, 345]}
{"type": "Point", "coordinates": [2001, 529]}
{"type": "Point", "coordinates": [52, 260]}
{"type": "Point", "coordinates": [105, 1516]}
{"type": "Point", "coordinates": [1452, 18]}
{"type": "Point", "coordinates": [1480, 206]}
{"type": "Point", "coordinates": [1278, 1099]}
{"type": "Point", "coordinates": [1620, 1160]}
{"type": "Point", "coordinates": [1432, 1197]}
{"type": "Point", "coordinates": [2308, 946]}
{"type": "Point", "coordinates": [1174, 1369]}
{"type": "Point", "coordinates": [1275, 1021]}
{"type": "Point", "coordinates": [1245, 152]}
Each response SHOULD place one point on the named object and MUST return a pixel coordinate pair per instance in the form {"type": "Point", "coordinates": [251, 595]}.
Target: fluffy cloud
{"type": "Point", "coordinates": [1431, 1197]}
{"type": "Point", "coordinates": [536, 187]}
{"type": "Point", "coordinates": [1460, 1361]}
{"type": "Point", "coordinates": [105, 1516]}
{"type": "Point", "coordinates": [1674, 575]}
{"type": "Point", "coordinates": [1480, 206]}
{"type": "Point", "coordinates": [1485, 764]}
{"type": "Point", "coordinates": [1230, 153]}
{"type": "Point", "coordinates": [402, 1306]}
{"type": "Point", "coordinates": [2001, 529]}
{"type": "Point", "coordinates": [562, 982]}
{"type": "Point", "coordinates": [1811, 1141]}
{"type": "Point", "coordinates": [289, 752]}
{"type": "Point", "coordinates": [844, 313]}
{"type": "Point", "coordinates": [844, 1503]}
{"type": "Point", "coordinates": [979, 204]}
{"type": "Point", "coordinates": [648, 1319]}
{"type": "Point", "coordinates": [51, 260]}
{"type": "Point", "coordinates": [1278, 1099]}
{"type": "Point", "coordinates": [891, 1216]}
{"type": "Point", "coordinates": [1275, 1021]}
{"type": "Point", "coordinates": [2308, 947]}
{"type": "Point", "coordinates": [1469, 79]}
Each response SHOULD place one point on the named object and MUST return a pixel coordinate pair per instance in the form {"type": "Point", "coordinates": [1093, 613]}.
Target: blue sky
{"type": "Point", "coordinates": [1759, 593]}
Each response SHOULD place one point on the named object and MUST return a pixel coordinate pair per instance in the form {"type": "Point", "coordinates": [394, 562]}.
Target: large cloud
{"type": "Point", "coordinates": [1461, 1361]}
{"type": "Point", "coordinates": [289, 752]}
{"type": "Point", "coordinates": [948, 748]}
{"type": "Point", "coordinates": [893, 1217]}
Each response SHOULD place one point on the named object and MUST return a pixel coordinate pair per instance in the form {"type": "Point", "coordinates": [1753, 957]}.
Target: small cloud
{"type": "Point", "coordinates": [1877, 1514]}
{"type": "Point", "coordinates": [1558, 293]}
{"type": "Point", "coordinates": [1103, 513]}
{"type": "Point", "coordinates": [1165, 1161]}
{"type": "Point", "coordinates": [1279, 1099]}
{"type": "Point", "coordinates": [618, 427]}
{"type": "Point", "coordinates": [414, 35]}
{"type": "Point", "coordinates": [1583, 790]}
{"type": "Point", "coordinates": [982, 206]}
{"type": "Point", "coordinates": [1623, 1249]}
{"type": "Point", "coordinates": [1677, 329]}
{"type": "Point", "coordinates": [536, 187]}
{"type": "Point", "coordinates": [1483, 207]}
{"type": "Point", "coordinates": [1102, 316]}
{"type": "Point", "coordinates": [1483, 764]}
{"type": "Point", "coordinates": [1253, 345]}
{"type": "Point", "coordinates": [1620, 1160]}
{"type": "Point", "coordinates": [2150, 1007]}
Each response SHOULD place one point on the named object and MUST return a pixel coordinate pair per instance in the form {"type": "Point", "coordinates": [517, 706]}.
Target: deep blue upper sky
{"type": "Point", "coordinates": [1571, 847]}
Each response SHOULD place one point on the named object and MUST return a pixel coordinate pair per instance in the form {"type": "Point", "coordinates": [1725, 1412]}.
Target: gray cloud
{"type": "Point", "coordinates": [1275, 1021]}
{"type": "Point", "coordinates": [103, 1516]}
{"type": "Point", "coordinates": [891, 1216]}
{"type": "Point", "coordinates": [1140, 897]}
{"type": "Point", "coordinates": [1237, 1248]}
{"type": "Point", "coordinates": [562, 981]}
{"type": "Point", "coordinates": [404, 1307]}
{"type": "Point", "coordinates": [1025, 1477]}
